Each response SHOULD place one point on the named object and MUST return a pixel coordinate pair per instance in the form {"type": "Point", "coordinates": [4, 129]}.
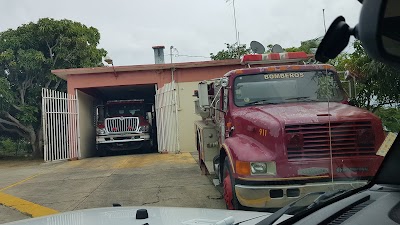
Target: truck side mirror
{"type": "Point", "coordinates": [224, 82]}
{"type": "Point", "coordinates": [204, 101]}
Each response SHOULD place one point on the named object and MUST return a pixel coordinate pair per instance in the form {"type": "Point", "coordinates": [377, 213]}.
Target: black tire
{"type": "Point", "coordinates": [147, 147]}
{"type": "Point", "coordinates": [101, 151]}
{"type": "Point", "coordinates": [230, 198]}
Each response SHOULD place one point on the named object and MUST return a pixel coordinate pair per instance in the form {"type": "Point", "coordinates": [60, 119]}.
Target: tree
{"type": "Point", "coordinates": [390, 118]}
{"type": "Point", "coordinates": [341, 61]}
{"type": "Point", "coordinates": [378, 83]}
{"type": "Point", "coordinates": [27, 56]}
{"type": "Point", "coordinates": [232, 51]}
{"type": "Point", "coordinates": [306, 46]}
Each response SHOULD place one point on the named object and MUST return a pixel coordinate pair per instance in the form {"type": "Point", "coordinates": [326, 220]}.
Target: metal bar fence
{"type": "Point", "coordinates": [60, 125]}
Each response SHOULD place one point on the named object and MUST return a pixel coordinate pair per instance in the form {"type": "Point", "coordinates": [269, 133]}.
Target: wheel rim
{"type": "Point", "coordinates": [228, 195]}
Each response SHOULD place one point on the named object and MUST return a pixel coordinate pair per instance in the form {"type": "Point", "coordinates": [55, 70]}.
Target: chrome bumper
{"type": "Point", "coordinates": [105, 139]}
{"type": "Point", "coordinates": [281, 195]}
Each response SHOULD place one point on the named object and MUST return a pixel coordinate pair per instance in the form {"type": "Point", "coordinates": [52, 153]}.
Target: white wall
{"type": "Point", "coordinates": [87, 130]}
{"type": "Point", "coordinates": [186, 116]}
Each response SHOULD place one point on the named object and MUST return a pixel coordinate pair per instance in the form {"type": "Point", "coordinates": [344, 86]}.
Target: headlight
{"type": "Point", "coordinates": [144, 128]}
{"type": "Point", "coordinates": [263, 168]}
{"type": "Point", "coordinates": [101, 131]}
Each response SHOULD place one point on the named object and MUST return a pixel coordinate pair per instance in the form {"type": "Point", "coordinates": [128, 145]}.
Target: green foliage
{"type": "Point", "coordinates": [6, 97]}
{"type": "Point", "coordinates": [28, 114]}
{"type": "Point", "coordinates": [340, 62]}
{"type": "Point", "coordinates": [306, 46]}
{"type": "Point", "coordinates": [378, 84]}
{"type": "Point", "coordinates": [231, 52]}
{"type": "Point", "coordinates": [326, 87]}
{"type": "Point", "coordinates": [27, 56]}
{"type": "Point", "coordinates": [7, 145]}
{"type": "Point", "coordinates": [292, 49]}
{"type": "Point", "coordinates": [14, 147]}
{"type": "Point", "coordinates": [390, 118]}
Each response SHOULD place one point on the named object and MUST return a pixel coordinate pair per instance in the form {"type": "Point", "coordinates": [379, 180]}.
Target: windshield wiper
{"type": "Point", "coordinates": [278, 214]}
{"type": "Point", "coordinates": [263, 101]}
{"type": "Point", "coordinates": [325, 196]}
{"type": "Point", "coordinates": [299, 98]}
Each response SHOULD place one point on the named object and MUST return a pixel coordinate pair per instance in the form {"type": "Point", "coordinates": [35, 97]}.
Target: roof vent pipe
{"type": "Point", "coordinates": [159, 54]}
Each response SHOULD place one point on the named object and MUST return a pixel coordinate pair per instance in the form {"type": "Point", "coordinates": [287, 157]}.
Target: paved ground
{"type": "Point", "coordinates": [36, 189]}
{"type": "Point", "coordinates": [7, 215]}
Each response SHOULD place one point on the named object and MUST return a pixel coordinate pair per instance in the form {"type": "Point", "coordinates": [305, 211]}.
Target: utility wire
{"type": "Point", "coordinates": [193, 56]}
{"type": "Point", "coordinates": [179, 55]}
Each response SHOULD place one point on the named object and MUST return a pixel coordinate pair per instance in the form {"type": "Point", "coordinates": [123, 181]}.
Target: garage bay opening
{"type": "Point", "coordinates": [123, 118]}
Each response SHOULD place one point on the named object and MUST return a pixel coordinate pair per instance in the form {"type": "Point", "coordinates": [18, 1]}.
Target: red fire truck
{"type": "Point", "coordinates": [124, 125]}
{"type": "Point", "coordinates": [273, 134]}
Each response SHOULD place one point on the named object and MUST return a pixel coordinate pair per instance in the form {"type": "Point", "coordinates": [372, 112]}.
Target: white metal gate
{"type": "Point", "coordinates": [167, 119]}
{"type": "Point", "coordinates": [60, 125]}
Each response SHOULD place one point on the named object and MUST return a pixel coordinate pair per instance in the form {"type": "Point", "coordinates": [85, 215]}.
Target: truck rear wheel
{"type": "Point", "coordinates": [228, 182]}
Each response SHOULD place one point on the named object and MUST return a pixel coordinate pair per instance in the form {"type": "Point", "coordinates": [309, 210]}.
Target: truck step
{"type": "Point", "coordinates": [216, 182]}
{"type": "Point", "coordinates": [210, 167]}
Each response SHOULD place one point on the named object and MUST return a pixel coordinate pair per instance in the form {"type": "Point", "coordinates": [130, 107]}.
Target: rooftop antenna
{"type": "Point", "coordinates": [170, 52]}
{"type": "Point", "coordinates": [257, 47]}
{"type": "Point", "coordinates": [323, 15]}
{"type": "Point", "coordinates": [234, 17]}
{"type": "Point", "coordinates": [277, 49]}
{"type": "Point", "coordinates": [171, 49]}
{"type": "Point", "coordinates": [236, 30]}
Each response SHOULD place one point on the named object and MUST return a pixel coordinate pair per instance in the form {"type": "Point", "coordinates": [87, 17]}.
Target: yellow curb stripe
{"type": "Point", "coordinates": [25, 207]}
{"type": "Point", "coordinates": [19, 182]}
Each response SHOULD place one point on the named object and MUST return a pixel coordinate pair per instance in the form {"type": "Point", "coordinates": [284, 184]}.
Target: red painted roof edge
{"type": "Point", "coordinates": [62, 73]}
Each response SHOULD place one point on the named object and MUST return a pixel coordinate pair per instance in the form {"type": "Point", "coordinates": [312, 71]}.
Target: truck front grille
{"type": "Point", "coordinates": [316, 140]}
{"type": "Point", "coordinates": [122, 124]}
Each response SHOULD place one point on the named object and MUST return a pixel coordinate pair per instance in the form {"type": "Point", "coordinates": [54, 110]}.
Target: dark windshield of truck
{"type": "Point", "coordinates": [286, 87]}
{"type": "Point", "coordinates": [124, 110]}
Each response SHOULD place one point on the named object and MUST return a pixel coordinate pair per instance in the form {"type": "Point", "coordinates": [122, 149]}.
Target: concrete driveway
{"type": "Point", "coordinates": [31, 189]}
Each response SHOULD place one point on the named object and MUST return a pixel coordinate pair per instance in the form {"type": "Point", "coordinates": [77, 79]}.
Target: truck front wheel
{"type": "Point", "coordinates": [102, 151]}
{"type": "Point", "coordinates": [230, 198]}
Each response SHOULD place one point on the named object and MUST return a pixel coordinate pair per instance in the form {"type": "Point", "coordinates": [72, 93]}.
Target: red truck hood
{"type": "Point", "coordinates": [300, 113]}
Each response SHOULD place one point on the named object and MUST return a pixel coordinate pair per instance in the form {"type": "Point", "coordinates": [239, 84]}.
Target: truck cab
{"type": "Point", "coordinates": [273, 134]}
{"type": "Point", "coordinates": [123, 125]}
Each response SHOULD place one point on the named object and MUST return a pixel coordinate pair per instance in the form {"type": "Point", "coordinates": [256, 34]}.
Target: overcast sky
{"type": "Point", "coordinates": [129, 28]}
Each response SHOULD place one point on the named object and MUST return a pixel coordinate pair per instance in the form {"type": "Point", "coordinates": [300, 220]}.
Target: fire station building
{"type": "Point", "coordinates": [168, 87]}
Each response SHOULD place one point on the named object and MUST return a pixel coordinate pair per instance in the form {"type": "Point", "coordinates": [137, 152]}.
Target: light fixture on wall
{"type": "Point", "coordinates": [108, 60]}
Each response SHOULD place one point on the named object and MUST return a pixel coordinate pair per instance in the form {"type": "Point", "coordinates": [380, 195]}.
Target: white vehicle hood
{"type": "Point", "coordinates": [156, 216]}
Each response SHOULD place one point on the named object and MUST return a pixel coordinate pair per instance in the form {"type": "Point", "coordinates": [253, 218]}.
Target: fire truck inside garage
{"type": "Point", "coordinates": [123, 118]}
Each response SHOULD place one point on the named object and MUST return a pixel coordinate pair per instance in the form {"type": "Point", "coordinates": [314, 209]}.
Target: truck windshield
{"type": "Point", "coordinates": [124, 110]}
{"type": "Point", "coordinates": [287, 87]}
